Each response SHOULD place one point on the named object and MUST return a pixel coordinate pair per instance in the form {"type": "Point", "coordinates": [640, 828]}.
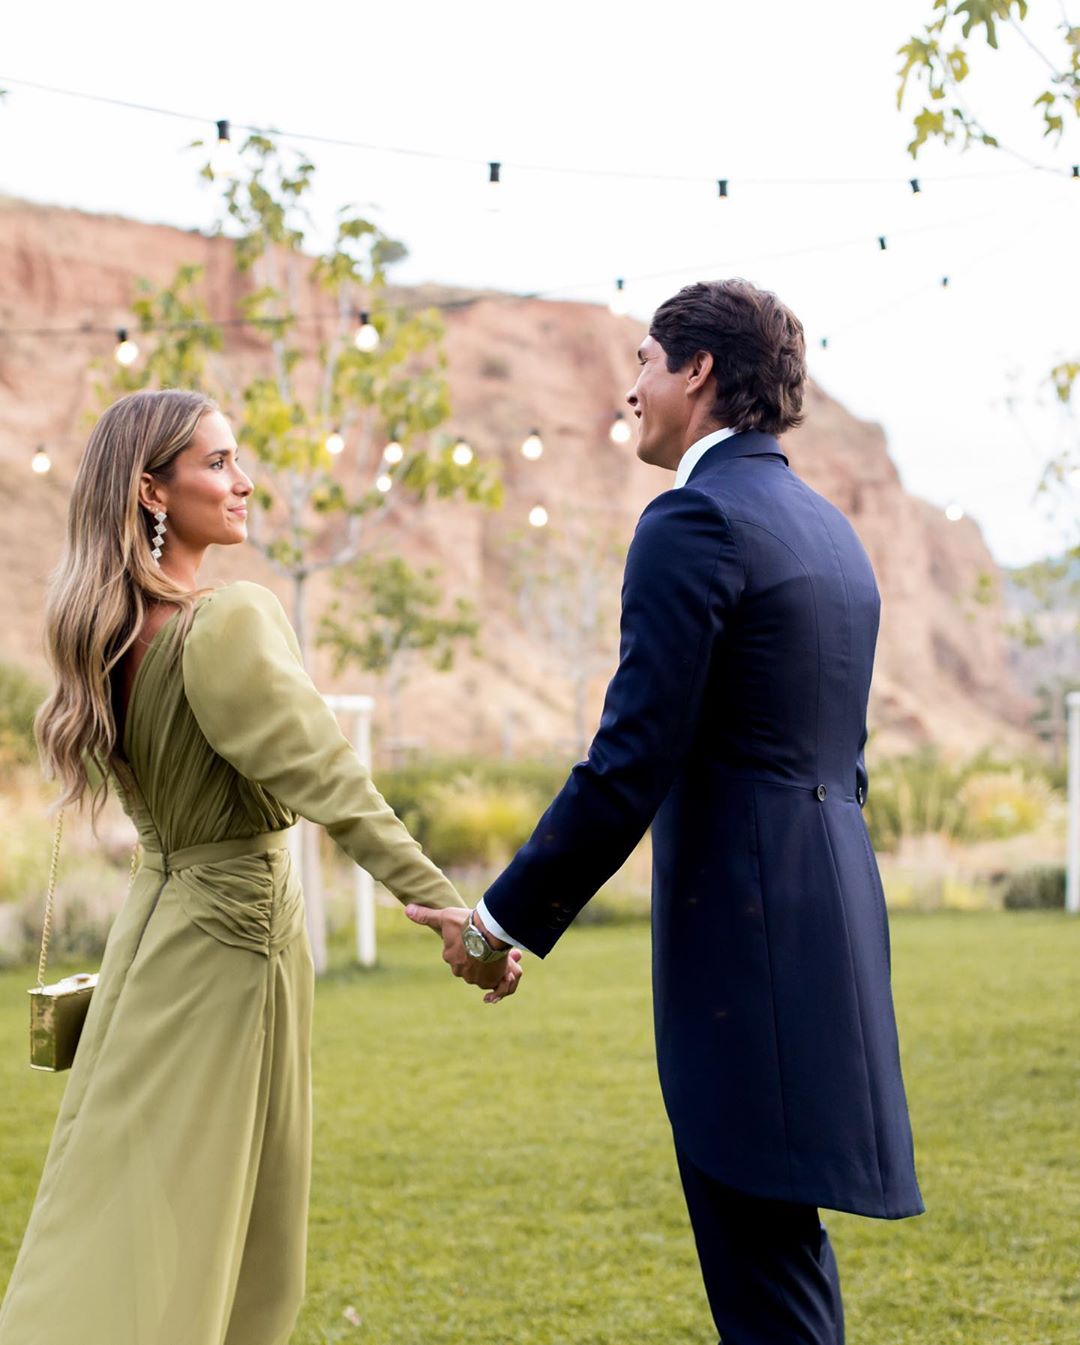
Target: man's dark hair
{"type": "Point", "coordinates": [757, 345]}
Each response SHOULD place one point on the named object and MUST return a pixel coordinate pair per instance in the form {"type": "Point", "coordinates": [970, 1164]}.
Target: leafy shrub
{"type": "Point", "coordinates": [997, 804]}
{"type": "Point", "coordinates": [1036, 889]}
{"type": "Point", "coordinates": [471, 822]}
{"type": "Point", "coordinates": [20, 697]}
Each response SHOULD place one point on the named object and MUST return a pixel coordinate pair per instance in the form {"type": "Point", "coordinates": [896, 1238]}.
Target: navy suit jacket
{"type": "Point", "coordinates": [735, 726]}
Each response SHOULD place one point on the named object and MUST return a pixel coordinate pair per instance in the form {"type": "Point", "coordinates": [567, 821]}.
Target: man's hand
{"type": "Point", "coordinates": [498, 978]}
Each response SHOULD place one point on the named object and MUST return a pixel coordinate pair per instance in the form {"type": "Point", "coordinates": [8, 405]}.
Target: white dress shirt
{"type": "Point", "coordinates": [689, 461]}
{"type": "Point", "coordinates": [696, 452]}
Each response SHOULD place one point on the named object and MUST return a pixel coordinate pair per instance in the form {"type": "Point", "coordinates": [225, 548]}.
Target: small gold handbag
{"type": "Point", "coordinates": [58, 1011]}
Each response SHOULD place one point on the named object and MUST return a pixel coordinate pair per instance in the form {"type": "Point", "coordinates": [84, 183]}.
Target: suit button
{"type": "Point", "coordinates": [821, 793]}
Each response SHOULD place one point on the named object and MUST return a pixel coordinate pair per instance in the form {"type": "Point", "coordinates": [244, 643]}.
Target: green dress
{"type": "Point", "coordinates": [173, 1205]}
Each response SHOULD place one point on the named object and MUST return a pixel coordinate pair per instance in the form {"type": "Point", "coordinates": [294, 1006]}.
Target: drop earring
{"type": "Point", "coordinates": [159, 536]}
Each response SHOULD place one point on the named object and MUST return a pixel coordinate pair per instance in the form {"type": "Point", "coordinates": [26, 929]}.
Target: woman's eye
{"type": "Point", "coordinates": [218, 462]}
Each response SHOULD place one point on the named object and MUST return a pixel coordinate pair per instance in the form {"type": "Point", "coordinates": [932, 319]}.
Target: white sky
{"type": "Point", "coordinates": [769, 90]}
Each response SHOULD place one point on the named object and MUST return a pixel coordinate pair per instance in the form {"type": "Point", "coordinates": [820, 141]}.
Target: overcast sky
{"type": "Point", "coordinates": [767, 95]}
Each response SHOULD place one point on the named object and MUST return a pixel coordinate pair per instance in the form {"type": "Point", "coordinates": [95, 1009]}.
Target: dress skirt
{"type": "Point", "coordinates": [173, 1204]}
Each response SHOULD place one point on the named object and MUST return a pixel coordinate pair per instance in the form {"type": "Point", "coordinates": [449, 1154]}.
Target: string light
{"type": "Point", "coordinates": [914, 184]}
{"type": "Point", "coordinates": [127, 352]}
{"type": "Point", "coordinates": [384, 483]}
{"type": "Point", "coordinates": [1076, 170]}
{"type": "Point", "coordinates": [620, 432]}
{"type": "Point", "coordinates": [462, 454]}
{"type": "Point", "coordinates": [393, 452]}
{"type": "Point", "coordinates": [335, 444]}
{"type": "Point", "coordinates": [494, 170]}
{"type": "Point", "coordinates": [533, 447]}
{"type": "Point", "coordinates": [824, 343]}
{"type": "Point", "coordinates": [40, 462]}
{"type": "Point", "coordinates": [721, 188]}
{"type": "Point", "coordinates": [224, 160]}
{"type": "Point", "coordinates": [954, 512]}
{"type": "Point", "coordinates": [538, 516]}
{"type": "Point", "coordinates": [882, 242]}
{"type": "Point", "coordinates": [618, 303]}
{"type": "Point", "coordinates": [944, 282]}
{"type": "Point", "coordinates": [367, 334]}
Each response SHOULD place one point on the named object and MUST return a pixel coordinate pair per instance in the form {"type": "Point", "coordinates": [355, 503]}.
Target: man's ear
{"type": "Point", "coordinates": [698, 372]}
{"type": "Point", "coordinates": [150, 495]}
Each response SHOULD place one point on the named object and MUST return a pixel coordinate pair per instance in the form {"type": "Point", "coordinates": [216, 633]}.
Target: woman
{"type": "Point", "coordinates": [173, 1205]}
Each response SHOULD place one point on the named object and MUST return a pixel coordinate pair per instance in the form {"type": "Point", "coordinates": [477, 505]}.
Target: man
{"type": "Point", "coordinates": [735, 726]}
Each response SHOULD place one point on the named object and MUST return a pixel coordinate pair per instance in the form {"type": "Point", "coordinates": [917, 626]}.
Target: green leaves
{"type": "Point", "coordinates": [391, 611]}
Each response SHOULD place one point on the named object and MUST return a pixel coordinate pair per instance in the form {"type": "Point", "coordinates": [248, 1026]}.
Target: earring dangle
{"type": "Point", "coordinates": [159, 536]}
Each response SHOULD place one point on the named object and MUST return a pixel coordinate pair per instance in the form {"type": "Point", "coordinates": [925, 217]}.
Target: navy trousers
{"type": "Point", "coordinates": [768, 1266]}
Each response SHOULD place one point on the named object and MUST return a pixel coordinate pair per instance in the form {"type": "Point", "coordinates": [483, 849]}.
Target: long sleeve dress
{"type": "Point", "coordinates": [173, 1204]}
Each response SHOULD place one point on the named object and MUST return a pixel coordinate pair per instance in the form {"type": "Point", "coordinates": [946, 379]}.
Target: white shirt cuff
{"type": "Point", "coordinates": [495, 929]}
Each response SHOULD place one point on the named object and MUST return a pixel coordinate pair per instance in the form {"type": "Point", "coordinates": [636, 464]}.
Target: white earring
{"type": "Point", "coordinates": [159, 536]}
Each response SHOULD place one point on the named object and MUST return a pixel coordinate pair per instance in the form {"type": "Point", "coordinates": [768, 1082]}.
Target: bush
{"type": "Point", "coordinates": [471, 822]}
{"type": "Point", "coordinates": [997, 804]}
{"type": "Point", "coordinates": [1038, 889]}
{"type": "Point", "coordinates": [20, 697]}
{"type": "Point", "coordinates": [413, 791]}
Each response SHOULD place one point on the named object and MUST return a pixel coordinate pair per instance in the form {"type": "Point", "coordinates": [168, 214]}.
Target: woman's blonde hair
{"type": "Point", "coordinates": [98, 594]}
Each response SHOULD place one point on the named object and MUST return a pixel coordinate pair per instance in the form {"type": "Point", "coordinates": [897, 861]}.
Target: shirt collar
{"type": "Point", "coordinates": [696, 452]}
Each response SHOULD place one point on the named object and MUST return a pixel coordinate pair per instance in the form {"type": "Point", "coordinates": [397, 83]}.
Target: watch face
{"type": "Point", "coordinates": [475, 943]}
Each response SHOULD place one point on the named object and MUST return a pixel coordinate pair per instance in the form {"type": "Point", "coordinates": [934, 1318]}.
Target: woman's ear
{"type": "Point", "coordinates": [150, 494]}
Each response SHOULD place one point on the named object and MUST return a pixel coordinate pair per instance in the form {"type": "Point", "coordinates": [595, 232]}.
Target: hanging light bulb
{"type": "Point", "coordinates": [538, 516]}
{"type": "Point", "coordinates": [126, 352]}
{"type": "Point", "coordinates": [721, 188]}
{"type": "Point", "coordinates": [944, 282]}
{"type": "Point", "coordinates": [533, 447]}
{"type": "Point", "coordinates": [882, 242]}
{"type": "Point", "coordinates": [224, 160]}
{"type": "Point", "coordinates": [1074, 478]}
{"type": "Point", "coordinates": [335, 444]}
{"type": "Point", "coordinates": [40, 462]}
{"type": "Point", "coordinates": [620, 431]}
{"type": "Point", "coordinates": [383, 483]}
{"type": "Point", "coordinates": [393, 452]}
{"type": "Point", "coordinates": [824, 343]}
{"type": "Point", "coordinates": [914, 184]}
{"type": "Point", "coordinates": [618, 303]}
{"type": "Point", "coordinates": [367, 334]}
{"type": "Point", "coordinates": [462, 454]}
{"type": "Point", "coordinates": [1076, 170]}
{"type": "Point", "coordinates": [954, 512]}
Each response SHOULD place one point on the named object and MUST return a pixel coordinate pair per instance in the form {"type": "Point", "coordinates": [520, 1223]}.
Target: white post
{"type": "Point", "coordinates": [1072, 879]}
{"type": "Point", "coordinates": [360, 708]}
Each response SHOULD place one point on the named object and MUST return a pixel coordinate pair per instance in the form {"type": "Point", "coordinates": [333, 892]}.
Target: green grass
{"type": "Point", "coordinates": [506, 1173]}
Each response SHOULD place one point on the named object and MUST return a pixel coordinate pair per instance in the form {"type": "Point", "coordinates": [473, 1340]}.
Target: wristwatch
{"type": "Point", "coordinates": [476, 945]}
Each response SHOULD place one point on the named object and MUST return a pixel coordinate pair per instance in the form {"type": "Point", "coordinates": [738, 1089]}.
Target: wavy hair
{"type": "Point", "coordinates": [757, 345]}
{"type": "Point", "coordinates": [99, 593]}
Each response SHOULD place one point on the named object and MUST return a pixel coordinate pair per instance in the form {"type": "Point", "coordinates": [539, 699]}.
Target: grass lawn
{"type": "Point", "coordinates": [506, 1173]}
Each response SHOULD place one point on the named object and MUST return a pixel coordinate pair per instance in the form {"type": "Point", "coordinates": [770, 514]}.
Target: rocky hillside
{"type": "Point", "coordinates": [942, 675]}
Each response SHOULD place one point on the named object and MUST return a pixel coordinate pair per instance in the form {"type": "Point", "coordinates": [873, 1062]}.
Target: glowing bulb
{"type": "Point", "coordinates": [1074, 478]}
{"type": "Point", "coordinates": [127, 352]}
{"type": "Point", "coordinates": [224, 160]}
{"type": "Point", "coordinates": [335, 444]}
{"type": "Point", "coordinates": [393, 452]}
{"type": "Point", "coordinates": [533, 447]}
{"type": "Point", "coordinates": [41, 462]}
{"type": "Point", "coordinates": [462, 454]}
{"type": "Point", "coordinates": [383, 483]}
{"type": "Point", "coordinates": [367, 335]}
{"type": "Point", "coordinates": [538, 516]}
{"type": "Point", "coordinates": [620, 429]}
{"type": "Point", "coordinates": [954, 512]}
{"type": "Point", "coordinates": [618, 303]}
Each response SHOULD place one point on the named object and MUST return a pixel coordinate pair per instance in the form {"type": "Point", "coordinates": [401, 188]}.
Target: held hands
{"type": "Point", "coordinates": [499, 978]}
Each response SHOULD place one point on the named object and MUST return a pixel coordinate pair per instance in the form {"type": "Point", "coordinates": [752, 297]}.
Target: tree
{"type": "Point", "coordinates": [317, 510]}
{"type": "Point", "coordinates": [565, 580]}
{"type": "Point", "coordinates": [391, 623]}
{"type": "Point", "coordinates": [939, 60]}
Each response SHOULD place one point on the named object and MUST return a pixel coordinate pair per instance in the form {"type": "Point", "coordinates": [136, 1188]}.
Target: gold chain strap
{"type": "Point", "coordinates": [46, 929]}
